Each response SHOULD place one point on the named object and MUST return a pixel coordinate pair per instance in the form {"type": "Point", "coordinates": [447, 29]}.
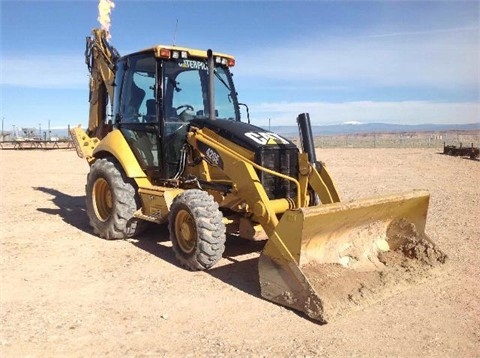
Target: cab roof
{"type": "Point", "coordinates": [191, 52]}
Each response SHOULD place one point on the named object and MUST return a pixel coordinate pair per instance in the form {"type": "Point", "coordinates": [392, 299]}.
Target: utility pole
{"type": "Point", "coordinates": [175, 34]}
{"type": "Point", "coordinates": [3, 134]}
{"type": "Point", "coordinates": [40, 130]}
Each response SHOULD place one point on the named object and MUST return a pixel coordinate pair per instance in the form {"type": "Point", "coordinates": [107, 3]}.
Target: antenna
{"type": "Point", "coordinates": [175, 34]}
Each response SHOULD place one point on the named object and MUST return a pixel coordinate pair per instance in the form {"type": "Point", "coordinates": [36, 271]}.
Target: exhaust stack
{"type": "Point", "coordinates": [306, 136]}
{"type": "Point", "coordinates": [211, 85]}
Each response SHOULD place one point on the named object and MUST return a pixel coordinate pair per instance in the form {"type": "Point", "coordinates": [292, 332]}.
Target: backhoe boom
{"type": "Point", "coordinates": [100, 58]}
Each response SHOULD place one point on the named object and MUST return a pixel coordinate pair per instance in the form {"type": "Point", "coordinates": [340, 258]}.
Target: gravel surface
{"type": "Point", "coordinates": [65, 292]}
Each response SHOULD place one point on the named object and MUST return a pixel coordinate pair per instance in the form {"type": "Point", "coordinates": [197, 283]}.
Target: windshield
{"type": "Point", "coordinates": [185, 97]}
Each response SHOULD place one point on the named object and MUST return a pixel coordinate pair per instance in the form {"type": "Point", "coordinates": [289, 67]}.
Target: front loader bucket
{"type": "Point", "coordinates": [346, 256]}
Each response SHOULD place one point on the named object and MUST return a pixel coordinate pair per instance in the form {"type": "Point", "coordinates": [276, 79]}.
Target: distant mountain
{"type": "Point", "coordinates": [357, 127]}
{"type": "Point", "coordinates": [346, 128]}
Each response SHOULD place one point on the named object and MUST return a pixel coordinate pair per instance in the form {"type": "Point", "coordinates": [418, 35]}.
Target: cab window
{"type": "Point", "coordinates": [137, 99]}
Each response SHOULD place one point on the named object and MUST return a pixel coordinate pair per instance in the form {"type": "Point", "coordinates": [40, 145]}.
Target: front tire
{"type": "Point", "coordinates": [196, 230]}
{"type": "Point", "coordinates": [111, 201]}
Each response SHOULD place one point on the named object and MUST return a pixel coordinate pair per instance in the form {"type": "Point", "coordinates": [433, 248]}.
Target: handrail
{"type": "Point", "coordinates": [200, 135]}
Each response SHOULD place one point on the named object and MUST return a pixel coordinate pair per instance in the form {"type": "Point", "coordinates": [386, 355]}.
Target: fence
{"type": "Point", "coordinates": [36, 144]}
{"type": "Point", "coordinates": [397, 140]}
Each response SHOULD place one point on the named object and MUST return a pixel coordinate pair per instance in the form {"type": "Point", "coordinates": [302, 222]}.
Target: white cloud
{"type": "Point", "coordinates": [44, 71]}
{"type": "Point", "coordinates": [424, 62]}
{"type": "Point", "coordinates": [442, 58]}
{"type": "Point", "coordinates": [406, 112]}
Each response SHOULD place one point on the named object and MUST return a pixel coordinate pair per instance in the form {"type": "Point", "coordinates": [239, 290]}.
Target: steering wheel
{"type": "Point", "coordinates": [181, 115]}
{"type": "Point", "coordinates": [186, 106]}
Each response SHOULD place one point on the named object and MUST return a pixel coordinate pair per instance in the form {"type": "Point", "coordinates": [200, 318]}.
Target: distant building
{"type": "Point", "coordinates": [29, 133]}
{"type": "Point", "coordinates": [4, 136]}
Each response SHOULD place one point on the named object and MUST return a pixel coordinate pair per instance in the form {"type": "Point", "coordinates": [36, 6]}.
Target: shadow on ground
{"type": "Point", "coordinates": [240, 273]}
{"type": "Point", "coordinates": [70, 208]}
{"type": "Point", "coordinates": [467, 157]}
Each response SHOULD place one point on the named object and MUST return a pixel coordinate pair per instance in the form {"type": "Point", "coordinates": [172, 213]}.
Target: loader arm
{"type": "Point", "coordinates": [247, 185]}
{"type": "Point", "coordinates": [281, 277]}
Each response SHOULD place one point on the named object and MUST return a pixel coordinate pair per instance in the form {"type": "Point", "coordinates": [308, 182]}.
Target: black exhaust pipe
{"type": "Point", "coordinates": [306, 136]}
{"type": "Point", "coordinates": [211, 84]}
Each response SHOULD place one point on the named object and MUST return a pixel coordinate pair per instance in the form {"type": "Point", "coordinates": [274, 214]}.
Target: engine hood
{"type": "Point", "coordinates": [246, 135]}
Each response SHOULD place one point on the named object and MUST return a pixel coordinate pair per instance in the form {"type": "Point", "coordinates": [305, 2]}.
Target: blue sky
{"type": "Point", "coordinates": [401, 62]}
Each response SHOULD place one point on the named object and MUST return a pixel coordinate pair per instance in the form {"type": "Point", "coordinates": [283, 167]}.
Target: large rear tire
{"type": "Point", "coordinates": [111, 201]}
{"type": "Point", "coordinates": [196, 230]}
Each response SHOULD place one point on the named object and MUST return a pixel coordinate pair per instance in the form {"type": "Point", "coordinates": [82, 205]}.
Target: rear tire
{"type": "Point", "coordinates": [196, 230]}
{"type": "Point", "coordinates": [111, 201]}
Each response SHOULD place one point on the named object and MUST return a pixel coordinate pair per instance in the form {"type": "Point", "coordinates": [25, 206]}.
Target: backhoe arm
{"type": "Point", "coordinates": [100, 58]}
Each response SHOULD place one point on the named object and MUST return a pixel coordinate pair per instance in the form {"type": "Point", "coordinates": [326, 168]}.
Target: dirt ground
{"type": "Point", "coordinates": [65, 292]}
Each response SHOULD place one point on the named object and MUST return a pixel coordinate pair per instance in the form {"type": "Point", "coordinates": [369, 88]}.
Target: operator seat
{"type": "Point", "coordinates": [151, 111]}
{"type": "Point", "coordinates": [133, 105]}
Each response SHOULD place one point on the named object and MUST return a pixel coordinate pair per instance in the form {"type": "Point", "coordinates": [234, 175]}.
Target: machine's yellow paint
{"type": "Point", "coordinates": [191, 52]}
{"type": "Point", "coordinates": [156, 202]}
{"type": "Point", "coordinates": [102, 199]}
{"type": "Point", "coordinates": [84, 144]}
{"type": "Point", "coordinates": [185, 231]}
{"type": "Point", "coordinates": [114, 144]}
{"type": "Point", "coordinates": [299, 234]}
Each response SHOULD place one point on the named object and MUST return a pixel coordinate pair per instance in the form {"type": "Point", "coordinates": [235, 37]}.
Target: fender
{"type": "Point", "coordinates": [116, 145]}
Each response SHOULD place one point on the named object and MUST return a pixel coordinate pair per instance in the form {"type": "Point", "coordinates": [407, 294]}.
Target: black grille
{"type": "Point", "coordinates": [281, 160]}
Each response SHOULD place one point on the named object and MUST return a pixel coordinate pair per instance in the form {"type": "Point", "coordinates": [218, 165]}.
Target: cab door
{"type": "Point", "coordinates": [184, 96]}
{"type": "Point", "coordinates": [135, 110]}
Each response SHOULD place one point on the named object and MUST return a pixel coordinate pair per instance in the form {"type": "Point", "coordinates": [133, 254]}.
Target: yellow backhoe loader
{"type": "Point", "coordinates": [166, 144]}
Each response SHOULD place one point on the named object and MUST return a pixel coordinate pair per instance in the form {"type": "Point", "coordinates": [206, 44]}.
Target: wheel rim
{"type": "Point", "coordinates": [102, 199]}
{"type": "Point", "coordinates": [185, 231]}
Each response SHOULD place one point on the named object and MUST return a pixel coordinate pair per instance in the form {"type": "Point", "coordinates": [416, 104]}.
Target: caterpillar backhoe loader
{"type": "Point", "coordinates": [166, 144]}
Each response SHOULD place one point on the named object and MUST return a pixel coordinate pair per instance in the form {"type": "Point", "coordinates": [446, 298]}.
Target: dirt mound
{"type": "Point", "coordinates": [403, 236]}
{"type": "Point", "coordinates": [410, 260]}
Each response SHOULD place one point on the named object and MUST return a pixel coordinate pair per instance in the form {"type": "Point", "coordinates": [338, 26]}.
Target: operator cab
{"type": "Point", "coordinates": [158, 92]}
